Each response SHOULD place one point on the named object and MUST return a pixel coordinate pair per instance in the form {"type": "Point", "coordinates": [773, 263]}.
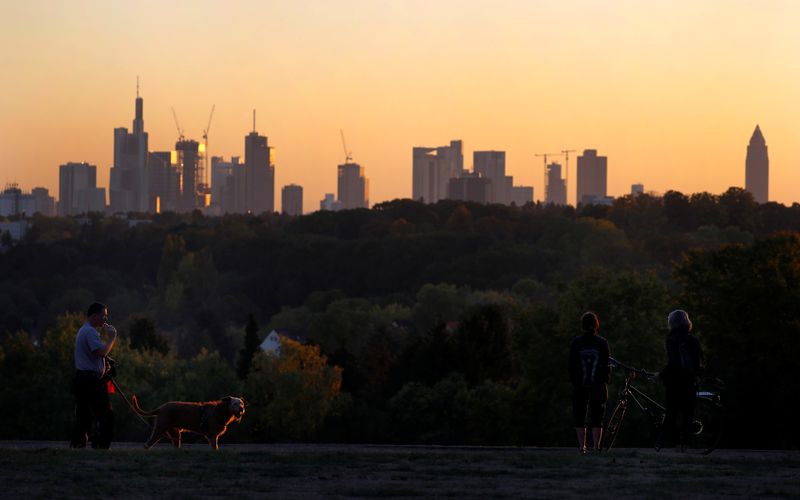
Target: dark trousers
{"type": "Point", "coordinates": [594, 397]}
{"type": "Point", "coordinates": [94, 418]}
{"type": "Point", "coordinates": [680, 400]}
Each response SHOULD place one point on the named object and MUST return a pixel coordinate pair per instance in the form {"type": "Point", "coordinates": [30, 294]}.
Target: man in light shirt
{"type": "Point", "coordinates": [92, 405]}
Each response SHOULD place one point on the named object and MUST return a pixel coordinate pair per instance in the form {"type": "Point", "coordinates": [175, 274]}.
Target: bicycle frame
{"type": "Point", "coordinates": [708, 422]}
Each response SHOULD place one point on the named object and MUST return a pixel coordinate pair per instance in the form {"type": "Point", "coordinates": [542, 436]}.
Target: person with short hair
{"type": "Point", "coordinates": [589, 373]}
{"type": "Point", "coordinates": [685, 363]}
{"type": "Point", "coordinates": [92, 405]}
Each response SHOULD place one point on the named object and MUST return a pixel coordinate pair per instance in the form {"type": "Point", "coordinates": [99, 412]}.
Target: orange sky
{"type": "Point", "coordinates": [669, 91]}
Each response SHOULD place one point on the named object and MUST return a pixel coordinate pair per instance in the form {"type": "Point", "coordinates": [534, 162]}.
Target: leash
{"type": "Point", "coordinates": [116, 386]}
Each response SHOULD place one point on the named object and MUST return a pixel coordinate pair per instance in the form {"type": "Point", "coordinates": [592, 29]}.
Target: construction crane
{"type": "Point", "coordinates": [205, 141]}
{"type": "Point", "coordinates": [566, 168]}
{"type": "Point", "coordinates": [180, 130]}
{"type": "Point", "coordinates": [348, 156]}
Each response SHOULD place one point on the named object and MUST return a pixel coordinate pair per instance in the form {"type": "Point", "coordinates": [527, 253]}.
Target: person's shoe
{"type": "Point", "coordinates": [583, 450]}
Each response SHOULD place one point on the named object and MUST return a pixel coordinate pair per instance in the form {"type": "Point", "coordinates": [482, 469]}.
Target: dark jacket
{"type": "Point", "coordinates": [588, 360]}
{"type": "Point", "coordinates": [685, 360]}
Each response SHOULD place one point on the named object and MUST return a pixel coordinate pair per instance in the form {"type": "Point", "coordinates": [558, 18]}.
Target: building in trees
{"type": "Point", "coordinates": [756, 171]}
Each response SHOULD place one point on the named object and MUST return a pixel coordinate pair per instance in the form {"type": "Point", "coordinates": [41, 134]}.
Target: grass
{"type": "Point", "coordinates": [325, 471]}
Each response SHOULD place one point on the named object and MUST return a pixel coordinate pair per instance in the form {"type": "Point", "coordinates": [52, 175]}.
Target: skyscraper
{"type": "Point", "coordinates": [165, 182]}
{"type": "Point", "coordinates": [592, 177]}
{"type": "Point", "coordinates": [432, 170]}
{"type": "Point", "coordinates": [77, 190]}
{"type": "Point", "coordinates": [556, 187]}
{"type": "Point", "coordinates": [129, 182]}
{"type": "Point", "coordinates": [292, 199]}
{"type": "Point", "coordinates": [492, 165]}
{"type": "Point", "coordinates": [756, 170]}
{"type": "Point", "coordinates": [255, 190]}
{"type": "Point", "coordinates": [188, 164]}
{"type": "Point", "coordinates": [353, 187]}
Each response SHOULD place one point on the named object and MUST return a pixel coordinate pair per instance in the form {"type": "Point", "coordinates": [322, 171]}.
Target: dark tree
{"type": "Point", "coordinates": [144, 336]}
{"type": "Point", "coordinates": [251, 344]}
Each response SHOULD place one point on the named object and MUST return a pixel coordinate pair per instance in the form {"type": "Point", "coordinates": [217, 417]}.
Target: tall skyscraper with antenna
{"type": "Point", "coordinates": [129, 182]}
{"type": "Point", "coordinates": [756, 170]}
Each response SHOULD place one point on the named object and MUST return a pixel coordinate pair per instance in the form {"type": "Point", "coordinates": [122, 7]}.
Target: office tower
{"type": "Point", "coordinates": [292, 199]}
{"type": "Point", "coordinates": [555, 191]}
{"type": "Point", "coordinates": [470, 187]}
{"type": "Point", "coordinates": [188, 163]}
{"type": "Point", "coordinates": [492, 165]}
{"type": "Point", "coordinates": [353, 187]}
{"type": "Point", "coordinates": [756, 171]}
{"type": "Point", "coordinates": [129, 183]}
{"type": "Point", "coordinates": [255, 187]}
{"type": "Point", "coordinates": [592, 177]}
{"type": "Point", "coordinates": [223, 183]}
{"type": "Point", "coordinates": [165, 182]}
{"type": "Point", "coordinates": [330, 203]}
{"type": "Point", "coordinates": [637, 189]}
{"type": "Point", "coordinates": [15, 202]}
{"type": "Point", "coordinates": [433, 168]}
{"type": "Point", "coordinates": [77, 190]}
{"type": "Point", "coordinates": [10, 201]}
{"type": "Point", "coordinates": [521, 195]}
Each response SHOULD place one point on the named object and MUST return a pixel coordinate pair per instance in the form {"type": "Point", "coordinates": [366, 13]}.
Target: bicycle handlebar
{"type": "Point", "coordinates": [630, 369]}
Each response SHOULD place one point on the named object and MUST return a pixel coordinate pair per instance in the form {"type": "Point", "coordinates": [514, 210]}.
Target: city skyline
{"type": "Point", "coordinates": [674, 93]}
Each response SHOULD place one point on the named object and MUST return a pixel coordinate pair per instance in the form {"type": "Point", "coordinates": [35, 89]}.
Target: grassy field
{"type": "Point", "coordinates": [49, 470]}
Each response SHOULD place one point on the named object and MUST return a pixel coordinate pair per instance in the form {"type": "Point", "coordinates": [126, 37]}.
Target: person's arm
{"type": "Point", "coordinates": [103, 351]}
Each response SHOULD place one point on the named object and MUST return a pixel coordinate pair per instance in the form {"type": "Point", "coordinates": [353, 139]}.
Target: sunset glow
{"type": "Point", "coordinates": [669, 91]}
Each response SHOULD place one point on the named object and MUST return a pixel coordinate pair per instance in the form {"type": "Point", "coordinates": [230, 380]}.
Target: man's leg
{"type": "Point", "coordinates": [82, 426]}
{"type": "Point", "coordinates": [104, 417]}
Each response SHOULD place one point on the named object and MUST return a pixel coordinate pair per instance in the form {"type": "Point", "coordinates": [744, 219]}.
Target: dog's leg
{"type": "Point", "coordinates": [175, 436]}
{"type": "Point", "coordinates": [158, 433]}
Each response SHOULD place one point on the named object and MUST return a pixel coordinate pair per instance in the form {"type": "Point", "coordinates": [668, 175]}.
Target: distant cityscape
{"type": "Point", "coordinates": [144, 181]}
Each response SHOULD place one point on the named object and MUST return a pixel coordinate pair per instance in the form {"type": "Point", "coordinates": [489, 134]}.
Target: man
{"type": "Point", "coordinates": [685, 363]}
{"type": "Point", "coordinates": [89, 387]}
{"type": "Point", "coordinates": [589, 373]}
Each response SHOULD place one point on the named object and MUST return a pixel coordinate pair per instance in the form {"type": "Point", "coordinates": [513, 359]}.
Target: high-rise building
{"type": "Point", "coordinates": [353, 186]}
{"type": "Point", "coordinates": [756, 171]}
{"type": "Point", "coordinates": [470, 187]}
{"type": "Point", "coordinates": [492, 165]}
{"type": "Point", "coordinates": [188, 164]}
{"type": "Point", "coordinates": [255, 188]}
{"type": "Point", "coordinates": [432, 170]}
{"type": "Point", "coordinates": [77, 190]}
{"type": "Point", "coordinates": [592, 177]}
{"type": "Point", "coordinates": [165, 182]}
{"type": "Point", "coordinates": [292, 199]}
{"type": "Point", "coordinates": [556, 187]}
{"type": "Point", "coordinates": [637, 189]}
{"type": "Point", "coordinates": [330, 203]}
{"type": "Point", "coordinates": [129, 182]}
{"type": "Point", "coordinates": [521, 195]}
{"type": "Point", "coordinates": [223, 190]}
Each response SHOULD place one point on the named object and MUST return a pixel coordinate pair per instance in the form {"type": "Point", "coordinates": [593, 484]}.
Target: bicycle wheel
{"type": "Point", "coordinates": [612, 425]}
{"type": "Point", "coordinates": [709, 422]}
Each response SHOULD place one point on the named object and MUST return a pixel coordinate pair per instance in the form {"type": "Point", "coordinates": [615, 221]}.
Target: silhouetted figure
{"type": "Point", "coordinates": [92, 406]}
{"type": "Point", "coordinates": [685, 363]}
{"type": "Point", "coordinates": [589, 373]}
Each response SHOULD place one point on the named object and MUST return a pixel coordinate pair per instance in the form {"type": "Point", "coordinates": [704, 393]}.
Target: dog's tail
{"type": "Point", "coordinates": [138, 409]}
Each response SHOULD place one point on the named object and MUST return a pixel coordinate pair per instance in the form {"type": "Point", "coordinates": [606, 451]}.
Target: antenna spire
{"type": "Point", "coordinates": [137, 85]}
{"type": "Point", "coordinates": [254, 120]}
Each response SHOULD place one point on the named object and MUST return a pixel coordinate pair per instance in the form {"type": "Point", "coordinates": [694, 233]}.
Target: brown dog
{"type": "Point", "coordinates": [210, 419]}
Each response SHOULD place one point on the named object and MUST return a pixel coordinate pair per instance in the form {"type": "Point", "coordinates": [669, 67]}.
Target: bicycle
{"type": "Point", "coordinates": [708, 420]}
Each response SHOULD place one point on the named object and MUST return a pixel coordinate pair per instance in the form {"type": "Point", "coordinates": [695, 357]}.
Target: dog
{"type": "Point", "coordinates": [211, 419]}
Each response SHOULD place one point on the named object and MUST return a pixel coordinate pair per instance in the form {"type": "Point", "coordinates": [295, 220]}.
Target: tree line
{"type": "Point", "coordinates": [446, 323]}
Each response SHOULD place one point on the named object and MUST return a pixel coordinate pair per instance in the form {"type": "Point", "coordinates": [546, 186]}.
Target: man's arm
{"type": "Point", "coordinates": [103, 351]}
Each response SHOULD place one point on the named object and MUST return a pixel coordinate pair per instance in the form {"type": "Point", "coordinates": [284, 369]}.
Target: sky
{"type": "Point", "coordinates": [669, 91]}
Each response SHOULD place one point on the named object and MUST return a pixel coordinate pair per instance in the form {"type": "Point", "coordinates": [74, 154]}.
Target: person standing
{"type": "Point", "coordinates": [685, 363]}
{"type": "Point", "coordinates": [589, 373]}
{"type": "Point", "coordinates": [92, 405]}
